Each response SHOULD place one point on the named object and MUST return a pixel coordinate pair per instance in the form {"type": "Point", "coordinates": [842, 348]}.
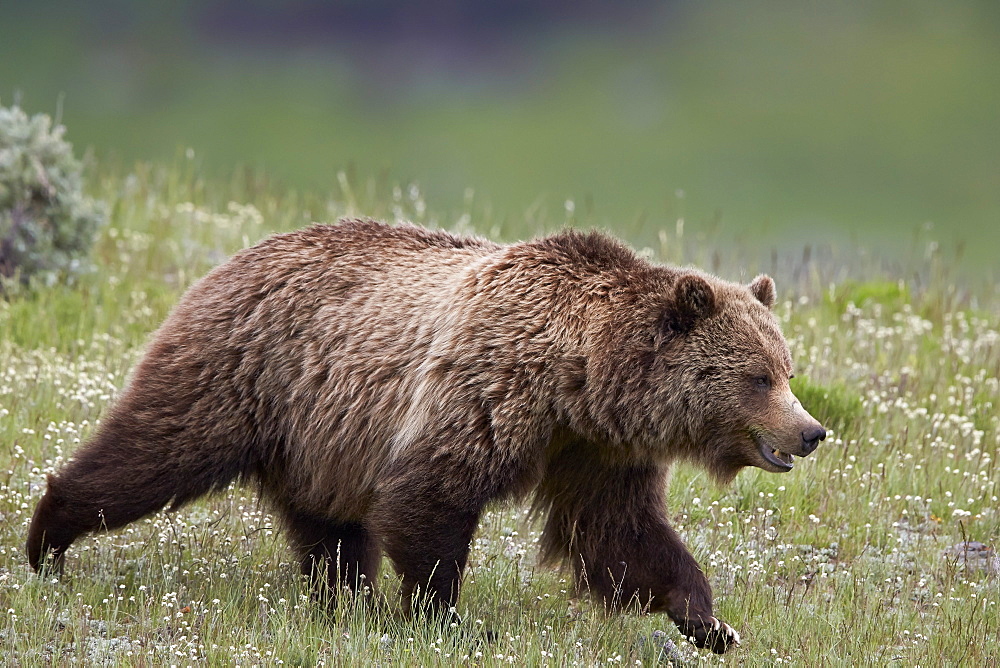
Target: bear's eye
{"type": "Point", "coordinates": [762, 382]}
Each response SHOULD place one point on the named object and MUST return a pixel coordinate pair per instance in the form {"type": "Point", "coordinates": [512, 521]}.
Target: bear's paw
{"type": "Point", "coordinates": [713, 634]}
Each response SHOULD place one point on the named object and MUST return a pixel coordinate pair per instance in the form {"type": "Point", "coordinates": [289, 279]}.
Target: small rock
{"type": "Point", "coordinates": [659, 648]}
{"type": "Point", "coordinates": [974, 556]}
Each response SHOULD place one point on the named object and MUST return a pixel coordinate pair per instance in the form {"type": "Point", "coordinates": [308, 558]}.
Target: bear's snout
{"type": "Point", "coordinates": [811, 438]}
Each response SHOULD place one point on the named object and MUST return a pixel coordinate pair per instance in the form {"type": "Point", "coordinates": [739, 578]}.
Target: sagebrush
{"type": "Point", "coordinates": [47, 223]}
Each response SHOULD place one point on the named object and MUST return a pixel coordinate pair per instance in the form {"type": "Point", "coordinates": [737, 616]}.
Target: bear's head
{"type": "Point", "coordinates": [690, 366]}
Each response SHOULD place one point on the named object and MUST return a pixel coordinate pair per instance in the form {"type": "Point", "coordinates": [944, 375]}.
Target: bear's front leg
{"type": "Point", "coordinates": [652, 570]}
{"type": "Point", "coordinates": [426, 532]}
{"type": "Point", "coordinates": [714, 634]}
{"type": "Point", "coordinates": [610, 521]}
{"type": "Point", "coordinates": [677, 585]}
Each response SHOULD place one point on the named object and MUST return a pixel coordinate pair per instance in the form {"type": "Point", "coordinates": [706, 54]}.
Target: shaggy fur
{"type": "Point", "coordinates": [382, 384]}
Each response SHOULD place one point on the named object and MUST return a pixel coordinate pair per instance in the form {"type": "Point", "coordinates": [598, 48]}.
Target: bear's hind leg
{"type": "Point", "coordinates": [125, 472]}
{"type": "Point", "coordinates": [334, 554]}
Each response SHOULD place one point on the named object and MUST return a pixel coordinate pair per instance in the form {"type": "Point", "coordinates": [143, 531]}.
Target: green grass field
{"type": "Point", "coordinates": [865, 119]}
{"type": "Point", "coordinates": [845, 561]}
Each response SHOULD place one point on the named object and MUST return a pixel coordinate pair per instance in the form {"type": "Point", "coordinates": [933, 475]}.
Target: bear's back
{"type": "Point", "coordinates": [310, 343]}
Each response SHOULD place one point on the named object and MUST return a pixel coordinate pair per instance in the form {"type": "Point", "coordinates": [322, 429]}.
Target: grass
{"type": "Point", "coordinates": [844, 561]}
{"type": "Point", "coordinates": [865, 118]}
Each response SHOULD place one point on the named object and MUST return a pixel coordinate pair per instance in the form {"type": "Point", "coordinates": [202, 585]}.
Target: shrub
{"type": "Point", "coordinates": [47, 225]}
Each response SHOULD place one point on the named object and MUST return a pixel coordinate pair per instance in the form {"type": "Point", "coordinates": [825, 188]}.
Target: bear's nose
{"type": "Point", "coordinates": [811, 438]}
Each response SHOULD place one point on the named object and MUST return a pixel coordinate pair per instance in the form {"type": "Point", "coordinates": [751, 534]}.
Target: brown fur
{"type": "Point", "coordinates": [382, 384]}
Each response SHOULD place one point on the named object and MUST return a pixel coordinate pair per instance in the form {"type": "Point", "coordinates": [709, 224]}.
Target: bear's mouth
{"type": "Point", "coordinates": [781, 461]}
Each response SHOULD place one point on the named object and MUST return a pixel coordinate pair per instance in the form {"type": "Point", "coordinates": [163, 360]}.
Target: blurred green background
{"type": "Point", "coordinates": [765, 124]}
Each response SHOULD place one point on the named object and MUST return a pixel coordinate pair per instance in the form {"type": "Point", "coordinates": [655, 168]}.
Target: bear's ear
{"type": "Point", "coordinates": [762, 288]}
{"type": "Point", "coordinates": [694, 299]}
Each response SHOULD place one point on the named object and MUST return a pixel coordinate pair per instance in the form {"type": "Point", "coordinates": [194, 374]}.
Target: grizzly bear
{"type": "Point", "coordinates": [382, 384]}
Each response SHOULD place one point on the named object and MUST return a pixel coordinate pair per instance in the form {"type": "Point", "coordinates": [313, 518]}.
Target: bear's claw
{"type": "Point", "coordinates": [713, 634]}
